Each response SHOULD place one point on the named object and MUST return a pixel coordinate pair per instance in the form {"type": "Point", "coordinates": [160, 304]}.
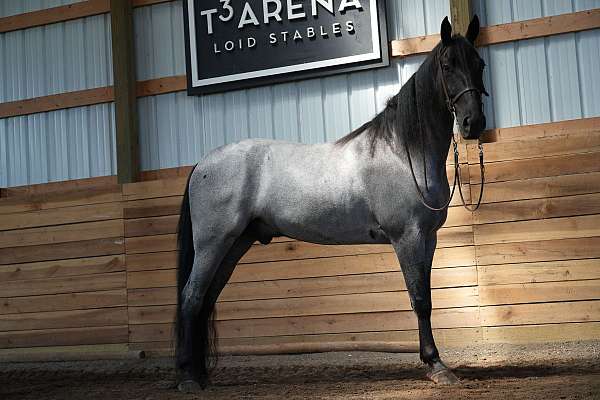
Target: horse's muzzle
{"type": "Point", "coordinates": [472, 126]}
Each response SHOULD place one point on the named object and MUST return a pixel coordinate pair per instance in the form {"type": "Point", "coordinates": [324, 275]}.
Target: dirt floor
{"type": "Point", "coordinates": [548, 372]}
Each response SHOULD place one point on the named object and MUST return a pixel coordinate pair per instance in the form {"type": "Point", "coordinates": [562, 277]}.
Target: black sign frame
{"type": "Point", "coordinates": [383, 61]}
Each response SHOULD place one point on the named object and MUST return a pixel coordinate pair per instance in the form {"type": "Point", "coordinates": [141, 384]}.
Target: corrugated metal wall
{"type": "Point", "coordinates": [57, 58]}
{"type": "Point", "coordinates": [13, 7]}
{"type": "Point", "coordinates": [177, 130]}
{"type": "Point", "coordinates": [545, 79]}
{"type": "Point", "coordinates": [533, 81]}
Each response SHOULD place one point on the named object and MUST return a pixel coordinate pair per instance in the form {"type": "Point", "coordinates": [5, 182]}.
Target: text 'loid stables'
{"type": "Point", "coordinates": [269, 13]}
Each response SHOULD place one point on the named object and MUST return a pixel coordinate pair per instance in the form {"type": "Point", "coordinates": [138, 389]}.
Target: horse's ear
{"type": "Point", "coordinates": [446, 31]}
{"type": "Point", "coordinates": [473, 30]}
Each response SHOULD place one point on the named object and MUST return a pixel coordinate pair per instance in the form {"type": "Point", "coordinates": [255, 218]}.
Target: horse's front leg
{"type": "Point", "coordinates": [415, 254]}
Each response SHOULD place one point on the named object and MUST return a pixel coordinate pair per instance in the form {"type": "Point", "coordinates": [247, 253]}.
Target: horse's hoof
{"type": "Point", "coordinates": [189, 386]}
{"type": "Point", "coordinates": [443, 377]}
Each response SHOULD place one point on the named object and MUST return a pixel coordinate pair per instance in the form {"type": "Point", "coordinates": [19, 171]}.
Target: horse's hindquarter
{"type": "Point", "coordinates": [316, 193]}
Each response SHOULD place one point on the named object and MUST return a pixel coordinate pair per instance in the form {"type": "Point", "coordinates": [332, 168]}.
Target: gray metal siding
{"type": "Point", "coordinates": [178, 130]}
{"type": "Point", "coordinates": [13, 7]}
{"type": "Point", "coordinates": [544, 79]}
{"type": "Point", "coordinates": [56, 58]}
{"type": "Point", "coordinates": [51, 59]}
{"type": "Point", "coordinates": [56, 146]}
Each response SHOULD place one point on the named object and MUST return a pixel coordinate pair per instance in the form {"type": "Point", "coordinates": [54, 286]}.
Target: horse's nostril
{"type": "Point", "coordinates": [466, 122]}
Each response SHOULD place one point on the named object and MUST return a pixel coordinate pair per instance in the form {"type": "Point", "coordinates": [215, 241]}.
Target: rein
{"type": "Point", "coordinates": [450, 103]}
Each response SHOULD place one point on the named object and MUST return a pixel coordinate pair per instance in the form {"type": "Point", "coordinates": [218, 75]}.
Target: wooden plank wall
{"type": "Point", "coordinates": [537, 235]}
{"type": "Point", "coordinates": [91, 264]}
{"type": "Point", "coordinates": [62, 270]}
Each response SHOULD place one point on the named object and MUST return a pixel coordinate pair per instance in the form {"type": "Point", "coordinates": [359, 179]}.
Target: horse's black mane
{"type": "Point", "coordinates": [399, 119]}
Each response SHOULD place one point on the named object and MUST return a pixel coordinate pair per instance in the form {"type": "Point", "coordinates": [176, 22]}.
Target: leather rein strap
{"type": "Point", "coordinates": [450, 102]}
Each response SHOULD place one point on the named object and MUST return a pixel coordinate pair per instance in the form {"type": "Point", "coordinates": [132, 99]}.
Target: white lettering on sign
{"type": "Point", "coordinates": [311, 32]}
{"type": "Point", "coordinates": [272, 10]}
{"type": "Point", "coordinates": [208, 14]}
{"type": "Point", "coordinates": [350, 26]}
{"type": "Point", "coordinates": [228, 8]}
{"type": "Point", "coordinates": [267, 15]}
{"type": "Point", "coordinates": [248, 17]}
{"type": "Point", "coordinates": [326, 4]}
{"type": "Point", "coordinates": [230, 45]}
{"type": "Point", "coordinates": [349, 4]}
{"type": "Point", "coordinates": [290, 9]}
{"type": "Point", "coordinates": [337, 28]}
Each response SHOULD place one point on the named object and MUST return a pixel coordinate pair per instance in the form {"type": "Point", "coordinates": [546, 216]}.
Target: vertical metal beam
{"type": "Point", "coordinates": [460, 12]}
{"type": "Point", "coordinates": [125, 98]}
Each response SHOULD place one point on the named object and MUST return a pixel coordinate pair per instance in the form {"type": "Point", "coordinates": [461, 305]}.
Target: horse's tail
{"type": "Point", "coordinates": [200, 352]}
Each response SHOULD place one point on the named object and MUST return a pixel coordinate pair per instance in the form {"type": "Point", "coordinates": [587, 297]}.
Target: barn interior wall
{"type": "Point", "coordinates": [52, 59]}
{"type": "Point", "coordinates": [531, 81]}
{"type": "Point", "coordinates": [90, 265]}
{"type": "Point", "coordinates": [540, 80]}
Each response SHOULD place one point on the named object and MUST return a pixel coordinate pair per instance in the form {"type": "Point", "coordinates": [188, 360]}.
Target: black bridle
{"type": "Point", "coordinates": [450, 103]}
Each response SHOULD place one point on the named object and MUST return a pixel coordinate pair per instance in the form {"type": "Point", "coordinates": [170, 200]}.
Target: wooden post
{"type": "Point", "coordinates": [125, 97]}
{"type": "Point", "coordinates": [460, 12]}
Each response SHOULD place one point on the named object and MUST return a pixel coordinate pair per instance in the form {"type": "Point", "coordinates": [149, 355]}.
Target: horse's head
{"type": "Point", "coordinates": [461, 71]}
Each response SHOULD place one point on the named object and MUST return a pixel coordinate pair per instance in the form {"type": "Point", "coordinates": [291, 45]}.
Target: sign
{"type": "Point", "coordinates": [232, 44]}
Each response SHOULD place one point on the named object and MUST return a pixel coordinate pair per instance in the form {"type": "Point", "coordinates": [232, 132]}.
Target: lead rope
{"type": "Point", "coordinates": [482, 168]}
{"type": "Point", "coordinates": [457, 172]}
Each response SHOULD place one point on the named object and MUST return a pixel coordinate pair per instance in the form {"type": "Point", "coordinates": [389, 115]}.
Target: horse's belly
{"type": "Point", "coordinates": [325, 222]}
{"type": "Point", "coordinates": [366, 235]}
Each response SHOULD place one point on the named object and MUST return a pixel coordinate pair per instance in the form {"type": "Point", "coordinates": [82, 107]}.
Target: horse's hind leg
{"type": "Point", "coordinates": [210, 293]}
{"type": "Point", "coordinates": [416, 255]}
{"type": "Point", "coordinates": [193, 315]}
{"type": "Point", "coordinates": [235, 253]}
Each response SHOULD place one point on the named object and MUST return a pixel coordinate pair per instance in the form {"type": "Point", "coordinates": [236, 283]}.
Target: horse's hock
{"type": "Point", "coordinates": [87, 267]}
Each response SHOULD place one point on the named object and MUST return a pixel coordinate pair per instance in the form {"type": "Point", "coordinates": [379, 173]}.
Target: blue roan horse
{"type": "Point", "coordinates": [368, 187]}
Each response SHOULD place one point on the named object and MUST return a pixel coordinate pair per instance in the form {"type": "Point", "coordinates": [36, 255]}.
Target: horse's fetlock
{"type": "Point", "coordinates": [429, 354]}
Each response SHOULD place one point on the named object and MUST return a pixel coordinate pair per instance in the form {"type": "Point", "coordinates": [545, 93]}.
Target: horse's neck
{"type": "Point", "coordinates": [435, 122]}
